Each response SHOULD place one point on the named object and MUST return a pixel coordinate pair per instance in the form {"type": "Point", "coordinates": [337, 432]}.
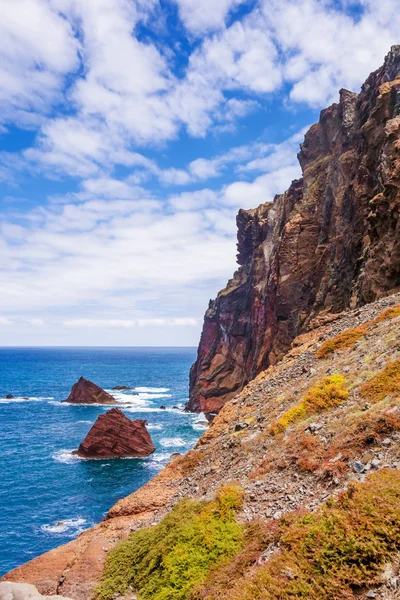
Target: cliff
{"type": "Point", "coordinates": [330, 242]}
{"type": "Point", "coordinates": [113, 435]}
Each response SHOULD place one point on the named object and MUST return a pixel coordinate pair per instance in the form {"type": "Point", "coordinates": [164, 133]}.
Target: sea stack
{"type": "Point", "coordinates": [87, 392]}
{"type": "Point", "coordinates": [113, 435]}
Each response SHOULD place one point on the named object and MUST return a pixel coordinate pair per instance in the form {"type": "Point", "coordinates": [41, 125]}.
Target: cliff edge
{"type": "Point", "coordinates": [330, 242]}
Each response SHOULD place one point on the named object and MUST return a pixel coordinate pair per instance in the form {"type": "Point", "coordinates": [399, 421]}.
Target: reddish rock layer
{"type": "Point", "coordinates": [330, 242]}
{"type": "Point", "coordinates": [113, 435]}
{"type": "Point", "coordinates": [87, 392]}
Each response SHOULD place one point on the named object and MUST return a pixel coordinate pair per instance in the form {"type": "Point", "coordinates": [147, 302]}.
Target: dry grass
{"type": "Point", "coordinates": [384, 383]}
{"type": "Point", "coordinates": [324, 394]}
{"type": "Point", "coordinates": [346, 339]}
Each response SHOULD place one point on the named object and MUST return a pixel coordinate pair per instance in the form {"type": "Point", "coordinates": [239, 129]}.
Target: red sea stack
{"type": "Point", "coordinates": [87, 392]}
{"type": "Point", "coordinates": [113, 435]}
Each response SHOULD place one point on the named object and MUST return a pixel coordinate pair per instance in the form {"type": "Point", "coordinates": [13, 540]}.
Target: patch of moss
{"type": "Point", "coordinates": [384, 383]}
{"type": "Point", "coordinates": [343, 340]}
{"type": "Point", "coordinates": [326, 393]}
{"type": "Point", "coordinates": [166, 561]}
{"type": "Point", "coordinates": [326, 555]}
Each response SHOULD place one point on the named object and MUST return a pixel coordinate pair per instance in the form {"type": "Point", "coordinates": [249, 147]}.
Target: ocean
{"type": "Point", "coordinates": [48, 496]}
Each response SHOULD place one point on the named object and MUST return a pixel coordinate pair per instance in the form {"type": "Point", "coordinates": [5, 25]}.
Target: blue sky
{"type": "Point", "coordinates": [132, 131]}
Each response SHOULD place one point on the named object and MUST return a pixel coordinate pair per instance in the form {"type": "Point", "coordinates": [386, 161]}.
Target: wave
{"type": "Point", "coordinates": [151, 390]}
{"type": "Point", "coordinates": [154, 427]}
{"type": "Point", "coordinates": [199, 426]}
{"type": "Point", "coordinates": [160, 457]}
{"type": "Point", "coordinates": [73, 526]}
{"type": "Point", "coordinates": [66, 457]}
{"type": "Point", "coordinates": [25, 399]}
{"type": "Point", "coordinates": [200, 423]}
{"type": "Point", "coordinates": [173, 442]}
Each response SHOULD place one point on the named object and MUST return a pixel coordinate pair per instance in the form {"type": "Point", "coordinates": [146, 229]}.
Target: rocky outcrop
{"type": "Point", "coordinates": [87, 392]}
{"type": "Point", "coordinates": [113, 435]}
{"type": "Point", "coordinates": [330, 242]}
{"type": "Point", "coordinates": [23, 591]}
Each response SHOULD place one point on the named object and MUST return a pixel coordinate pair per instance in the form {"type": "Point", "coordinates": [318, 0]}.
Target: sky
{"type": "Point", "coordinates": [132, 131]}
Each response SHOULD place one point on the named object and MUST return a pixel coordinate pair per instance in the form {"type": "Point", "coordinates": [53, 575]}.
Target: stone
{"type": "Point", "coordinates": [9, 396]}
{"type": "Point", "coordinates": [358, 467]}
{"type": "Point", "coordinates": [370, 594]}
{"type": "Point", "coordinates": [313, 427]}
{"type": "Point", "coordinates": [113, 435]}
{"type": "Point", "coordinates": [23, 591]}
{"type": "Point", "coordinates": [162, 407]}
{"type": "Point", "coordinates": [301, 253]}
{"type": "Point", "coordinates": [121, 387]}
{"type": "Point", "coordinates": [386, 442]}
{"type": "Point", "coordinates": [87, 392]}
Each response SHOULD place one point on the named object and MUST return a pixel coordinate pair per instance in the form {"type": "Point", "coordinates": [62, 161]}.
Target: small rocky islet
{"type": "Point", "coordinates": [113, 435]}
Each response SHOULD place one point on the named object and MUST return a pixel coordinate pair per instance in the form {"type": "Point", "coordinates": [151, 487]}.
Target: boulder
{"type": "Point", "coordinates": [23, 591]}
{"type": "Point", "coordinates": [9, 396]}
{"type": "Point", "coordinates": [87, 392]}
{"type": "Point", "coordinates": [113, 435]}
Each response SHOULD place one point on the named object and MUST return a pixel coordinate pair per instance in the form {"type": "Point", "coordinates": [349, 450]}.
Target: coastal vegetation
{"type": "Point", "coordinates": [167, 561]}
{"type": "Point", "coordinates": [326, 393]}
{"type": "Point", "coordinates": [333, 554]}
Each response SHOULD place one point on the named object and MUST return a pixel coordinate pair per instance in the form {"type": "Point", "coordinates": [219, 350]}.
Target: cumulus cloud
{"type": "Point", "coordinates": [33, 65]}
{"type": "Point", "coordinates": [205, 16]}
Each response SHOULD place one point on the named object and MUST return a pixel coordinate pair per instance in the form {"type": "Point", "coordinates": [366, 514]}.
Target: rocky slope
{"type": "Point", "coordinates": [330, 242]}
{"type": "Point", "coordinates": [314, 458]}
{"type": "Point", "coordinates": [87, 392]}
{"type": "Point", "coordinates": [113, 435]}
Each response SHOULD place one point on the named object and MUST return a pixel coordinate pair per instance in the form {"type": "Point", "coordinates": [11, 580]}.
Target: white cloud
{"type": "Point", "coordinates": [5, 321]}
{"type": "Point", "coordinates": [36, 322]}
{"type": "Point", "coordinates": [207, 15]}
{"type": "Point", "coordinates": [324, 49]}
{"type": "Point", "coordinates": [33, 63]}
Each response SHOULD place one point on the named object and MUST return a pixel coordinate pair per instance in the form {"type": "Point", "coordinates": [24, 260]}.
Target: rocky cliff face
{"type": "Point", "coordinates": [330, 242]}
{"type": "Point", "coordinates": [87, 392]}
{"type": "Point", "coordinates": [113, 435]}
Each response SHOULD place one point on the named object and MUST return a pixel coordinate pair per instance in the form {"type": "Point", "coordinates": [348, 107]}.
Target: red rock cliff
{"type": "Point", "coordinates": [330, 242]}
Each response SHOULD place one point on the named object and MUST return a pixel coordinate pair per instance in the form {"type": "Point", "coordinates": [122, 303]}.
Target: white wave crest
{"type": "Point", "coordinates": [172, 442]}
{"type": "Point", "coordinates": [65, 456]}
{"type": "Point", "coordinates": [25, 399]}
{"type": "Point", "coordinates": [154, 427]}
{"type": "Point", "coordinates": [151, 390]}
{"type": "Point", "coordinates": [73, 526]}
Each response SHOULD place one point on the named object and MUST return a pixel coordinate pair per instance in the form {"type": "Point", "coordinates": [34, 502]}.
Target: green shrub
{"type": "Point", "coordinates": [166, 561]}
{"type": "Point", "coordinates": [326, 555]}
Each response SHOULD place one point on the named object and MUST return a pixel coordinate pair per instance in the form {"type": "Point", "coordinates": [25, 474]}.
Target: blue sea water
{"type": "Point", "coordinates": [48, 496]}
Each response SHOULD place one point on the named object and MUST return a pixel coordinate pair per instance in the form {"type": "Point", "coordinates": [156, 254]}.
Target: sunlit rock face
{"type": "Point", "coordinates": [113, 435]}
{"type": "Point", "coordinates": [330, 242]}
